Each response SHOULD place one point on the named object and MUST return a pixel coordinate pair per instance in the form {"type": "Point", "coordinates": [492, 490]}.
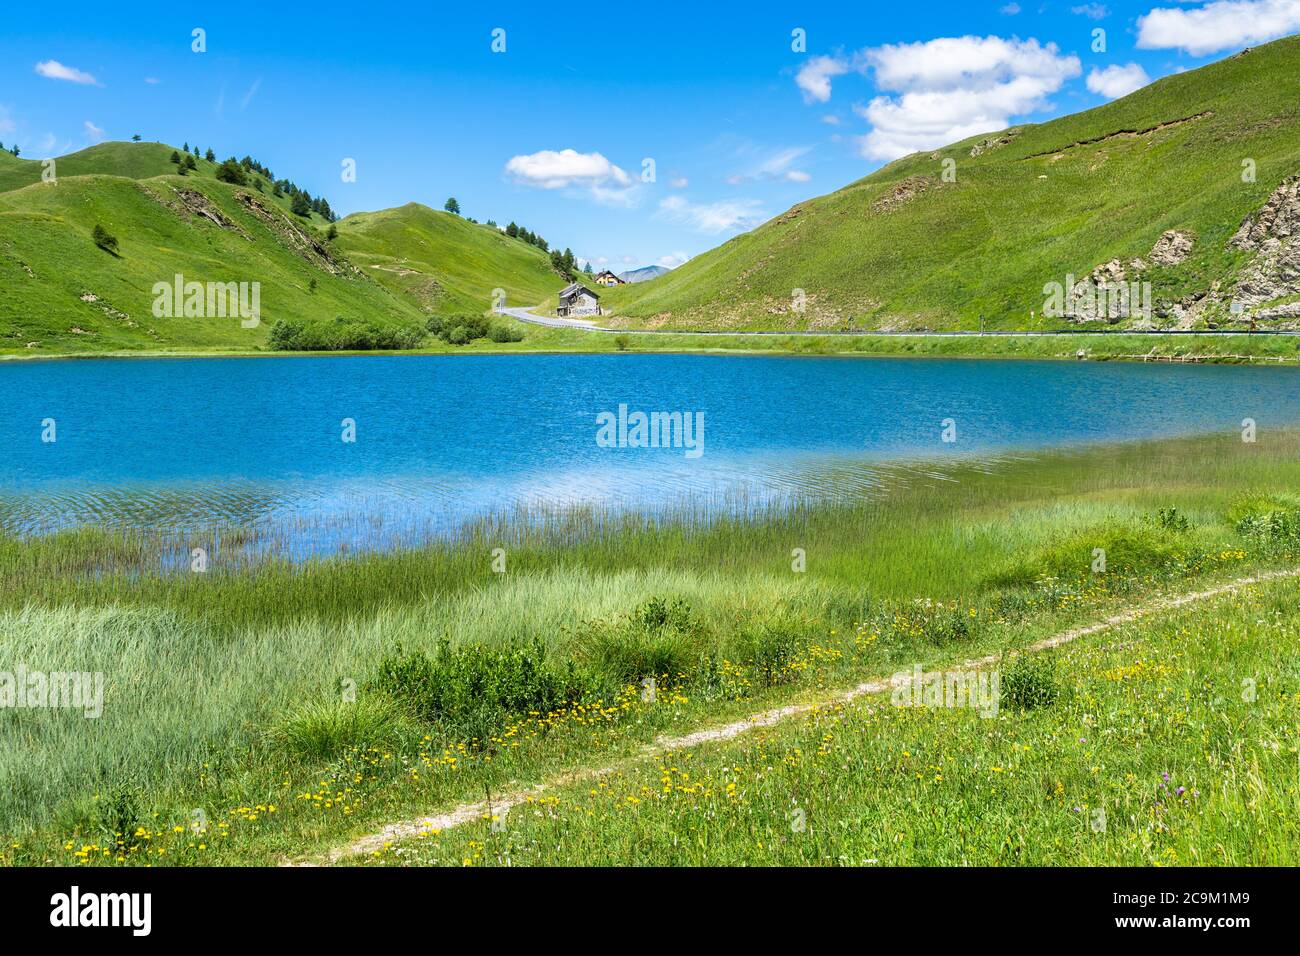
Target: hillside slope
{"type": "Point", "coordinates": [905, 249]}
{"type": "Point", "coordinates": [444, 263]}
{"type": "Point", "coordinates": [61, 293]}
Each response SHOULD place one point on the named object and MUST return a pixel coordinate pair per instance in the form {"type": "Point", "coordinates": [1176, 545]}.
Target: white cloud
{"type": "Point", "coordinates": [1010, 10]}
{"type": "Point", "coordinates": [814, 77]}
{"type": "Point", "coordinates": [1116, 81]}
{"type": "Point", "coordinates": [831, 119]}
{"type": "Point", "coordinates": [1094, 11]}
{"type": "Point", "coordinates": [1223, 25]}
{"type": "Point", "coordinates": [567, 168]}
{"type": "Point", "coordinates": [151, 80]}
{"type": "Point", "coordinates": [93, 132]}
{"type": "Point", "coordinates": [712, 218]}
{"type": "Point", "coordinates": [776, 166]}
{"type": "Point", "coordinates": [549, 169]}
{"type": "Point", "coordinates": [950, 88]}
{"type": "Point", "coordinates": [673, 260]}
{"type": "Point", "coordinates": [6, 121]}
{"type": "Point", "coordinates": [679, 182]}
{"type": "Point", "coordinates": [54, 70]}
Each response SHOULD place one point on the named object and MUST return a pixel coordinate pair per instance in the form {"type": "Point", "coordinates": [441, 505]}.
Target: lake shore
{"type": "Point", "coordinates": [1193, 348]}
{"type": "Point", "coordinates": [974, 561]}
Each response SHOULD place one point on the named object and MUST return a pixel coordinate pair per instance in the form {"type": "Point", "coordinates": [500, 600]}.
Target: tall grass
{"type": "Point", "coordinates": [197, 666]}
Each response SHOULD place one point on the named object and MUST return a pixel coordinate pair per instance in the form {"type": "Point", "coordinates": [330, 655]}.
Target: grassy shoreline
{"type": "Point", "coordinates": [1199, 349]}
{"type": "Point", "coordinates": [224, 689]}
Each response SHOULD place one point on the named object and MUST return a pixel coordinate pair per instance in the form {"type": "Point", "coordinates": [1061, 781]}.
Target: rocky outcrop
{"type": "Point", "coordinates": [296, 238]}
{"type": "Point", "coordinates": [902, 192]}
{"type": "Point", "coordinates": [1172, 248]}
{"type": "Point", "coordinates": [1273, 234]}
{"type": "Point", "coordinates": [993, 142]}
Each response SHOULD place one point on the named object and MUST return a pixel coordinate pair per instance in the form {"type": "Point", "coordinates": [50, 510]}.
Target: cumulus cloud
{"type": "Point", "coordinates": [549, 169]}
{"type": "Point", "coordinates": [54, 70]}
{"type": "Point", "coordinates": [596, 176]}
{"type": "Point", "coordinates": [712, 218]}
{"type": "Point", "coordinates": [814, 77]}
{"type": "Point", "coordinates": [93, 132]}
{"type": "Point", "coordinates": [1116, 81]}
{"type": "Point", "coordinates": [673, 260]}
{"type": "Point", "coordinates": [943, 90]}
{"type": "Point", "coordinates": [1223, 25]}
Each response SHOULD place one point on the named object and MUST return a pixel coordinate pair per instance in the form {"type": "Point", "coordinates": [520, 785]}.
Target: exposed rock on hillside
{"type": "Point", "coordinates": [1273, 234]}
{"type": "Point", "coordinates": [297, 239]}
{"type": "Point", "coordinates": [902, 191]}
{"type": "Point", "coordinates": [1171, 248]}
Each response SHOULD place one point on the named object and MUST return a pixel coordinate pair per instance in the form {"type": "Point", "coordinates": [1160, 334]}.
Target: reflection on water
{"type": "Point", "coordinates": [249, 450]}
{"type": "Point", "coordinates": [318, 517]}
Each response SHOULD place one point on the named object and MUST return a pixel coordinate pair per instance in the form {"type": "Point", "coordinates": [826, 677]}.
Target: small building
{"type": "Point", "coordinates": [608, 278]}
{"type": "Point", "coordinates": [576, 299]}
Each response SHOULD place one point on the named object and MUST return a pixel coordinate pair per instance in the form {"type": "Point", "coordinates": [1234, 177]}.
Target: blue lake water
{"type": "Point", "coordinates": [439, 440]}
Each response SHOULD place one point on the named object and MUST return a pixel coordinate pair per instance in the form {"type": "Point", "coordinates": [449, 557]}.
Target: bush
{"type": "Point", "coordinates": [460, 329]}
{"type": "Point", "coordinates": [505, 333]}
{"type": "Point", "coordinates": [104, 239]}
{"type": "Point", "coordinates": [772, 648]}
{"type": "Point", "coordinates": [1171, 519]}
{"type": "Point", "coordinates": [1030, 682]}
{"type": "Point", "coordinates": [342, 335]}
{"type": "Point", "coordinates": [324, 730]}
{"type": "Point", "coordinates": [1273, 531]}
{"type": "Point", "coordinates": [231, 172]}
{"type": "Point", "coordinates": [659, 639]}
{"type": "Point", "coordinates": [472, 692]}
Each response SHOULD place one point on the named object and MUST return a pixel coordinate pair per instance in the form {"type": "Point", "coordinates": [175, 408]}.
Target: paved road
{"type": "Point", "coordinates": [583, 325]}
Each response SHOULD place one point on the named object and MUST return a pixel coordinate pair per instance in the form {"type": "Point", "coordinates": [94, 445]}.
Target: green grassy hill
{"type": "Point", "coordinates": [64, 294]}
{"type": "Point", "coordinates": [445, 263]}
{"type": "Point", "coordinates": [902, 248]}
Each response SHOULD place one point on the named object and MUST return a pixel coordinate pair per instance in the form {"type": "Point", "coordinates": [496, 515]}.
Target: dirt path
{"type": "Point", "coordinates": [468, 812]}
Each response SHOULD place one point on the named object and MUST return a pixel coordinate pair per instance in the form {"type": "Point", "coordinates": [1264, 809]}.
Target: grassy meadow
{"type": "Point", "coordinates": [268, 711]}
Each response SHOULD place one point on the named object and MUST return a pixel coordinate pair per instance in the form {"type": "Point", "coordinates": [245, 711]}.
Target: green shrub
{"type": "Point", "coordinates": [460, 329]}
{"type": "Point", "coordinates": [500, 332]}
{"type": "Point", "coordinates": [772, 646]}
{"type": "Point", "coordinates": [472, 692]}
{"type": "Point", "coordinates": [104, 239]}
{"type": "Point", "coordinates": [1030, 682]}
{"type": "Point", "coordinates": [341, 335]}
{"type": "Point", "coordinates": [1171, 519]}
{"type": "Point", "coordinates": [325, 730]}
{"type": "Point", "coordinates": [659, 639]}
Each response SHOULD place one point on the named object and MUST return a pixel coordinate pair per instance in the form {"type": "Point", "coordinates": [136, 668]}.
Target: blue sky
{"type": "Point", "coordinates": [554, 132]}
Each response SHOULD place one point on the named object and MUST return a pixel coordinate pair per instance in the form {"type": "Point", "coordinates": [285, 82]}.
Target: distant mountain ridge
{"type": "Point", "coordinates": [643, 274]}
